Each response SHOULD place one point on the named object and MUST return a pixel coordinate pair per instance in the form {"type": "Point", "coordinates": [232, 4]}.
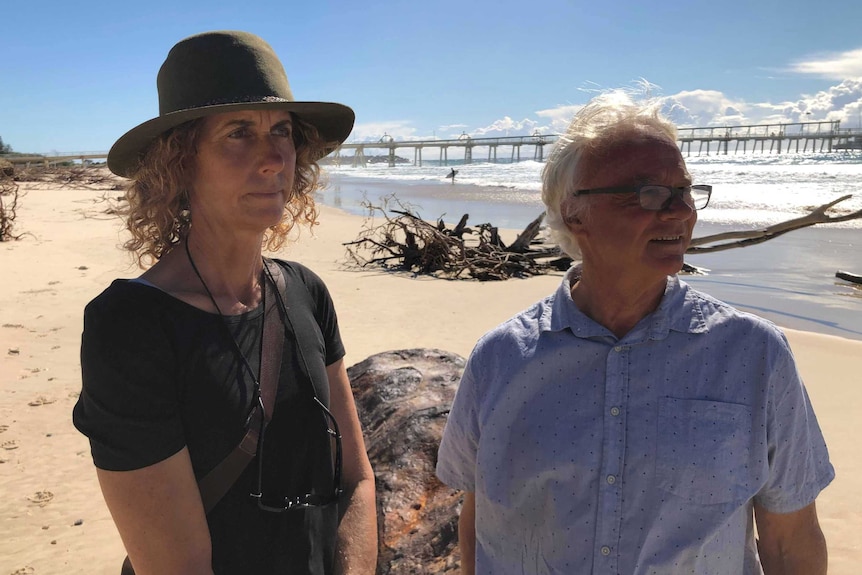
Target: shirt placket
{"type": "Point", "coordinates": [606, 552]}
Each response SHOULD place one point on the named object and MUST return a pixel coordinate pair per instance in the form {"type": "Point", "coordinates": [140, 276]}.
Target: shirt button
{"type": "Point", "coordinates": [606, 550]}
{"type": "Point", "coordinates": [615, 411]}
{"type": "Point", "coordinates": [618, 348]}
{"type": "Point", "coordinates": [611, 479]}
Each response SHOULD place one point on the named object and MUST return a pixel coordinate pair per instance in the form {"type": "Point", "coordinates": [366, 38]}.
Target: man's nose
{"type": "Point", "coordinates": [677, 206]}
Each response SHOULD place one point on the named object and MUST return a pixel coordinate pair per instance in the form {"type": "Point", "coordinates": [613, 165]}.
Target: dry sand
{"type": "Point", "coordinates": [52, 517]}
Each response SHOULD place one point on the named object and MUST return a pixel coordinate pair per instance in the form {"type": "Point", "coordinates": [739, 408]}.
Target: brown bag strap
{"type": "Point", "coordinates": [220, 478]}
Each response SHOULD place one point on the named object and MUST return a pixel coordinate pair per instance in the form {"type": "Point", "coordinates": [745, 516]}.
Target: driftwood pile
{"type": "Point", "coordinates": [404, 241]}
{"type": "Point", "coordinates": [8, 205]}
{"type": "Point", "coordinates": [76, 177]}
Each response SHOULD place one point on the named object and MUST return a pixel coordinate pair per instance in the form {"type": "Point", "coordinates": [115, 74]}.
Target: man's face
{"type": "Point", "coordinates": [617, 237]}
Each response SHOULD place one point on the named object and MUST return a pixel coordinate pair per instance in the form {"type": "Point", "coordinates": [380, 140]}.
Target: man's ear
{"type": "Point", "coordinates": [574, 223]}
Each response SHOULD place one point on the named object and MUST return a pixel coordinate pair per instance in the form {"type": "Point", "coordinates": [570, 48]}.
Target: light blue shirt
{"type": "Point", "coordinates": [641, 455]}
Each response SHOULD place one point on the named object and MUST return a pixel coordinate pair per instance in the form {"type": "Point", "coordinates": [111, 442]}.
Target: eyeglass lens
{"type": "Point", "coordinates": [309, 499]}
{"type": "Point", "coordinates": [660, 197]}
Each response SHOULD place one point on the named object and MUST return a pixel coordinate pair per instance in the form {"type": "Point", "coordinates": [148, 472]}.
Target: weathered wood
{"type": "Point", "coordinates": [847, 276]}
{"type": "Point", "coordinates": [459, 230]}
{"type": "Point", "coordinates": [752, 237]}
{"type": "Point", "coordinates": [403, 398]}
{"type": "Point", "coordinates": [407, 242]}
{"type": "Point", "coordinates": [525, 238]}
{"type": "Point", "coordinates": [410, 243]}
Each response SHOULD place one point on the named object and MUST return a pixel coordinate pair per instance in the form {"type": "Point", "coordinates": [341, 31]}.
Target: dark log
{"type": "Point", "coordinates": [403, 399]}
{"type": "Point", "coordinates": [459, 230]}
{"type": "Point", "coordinates": [847, 276]}
{"type": "Point", "coordinates": [525, 238]}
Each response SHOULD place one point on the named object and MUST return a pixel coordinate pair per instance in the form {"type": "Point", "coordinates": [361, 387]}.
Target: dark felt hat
{"type": "Point", "coordinates": [218, 72]}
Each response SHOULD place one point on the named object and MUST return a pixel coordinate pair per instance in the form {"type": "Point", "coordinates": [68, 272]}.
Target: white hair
{"type": "Point", "coordinates": [604, 122]}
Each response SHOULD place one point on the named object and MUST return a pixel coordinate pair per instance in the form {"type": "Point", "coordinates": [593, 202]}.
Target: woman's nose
{"type": "Point", "coordinates": [273, 154]}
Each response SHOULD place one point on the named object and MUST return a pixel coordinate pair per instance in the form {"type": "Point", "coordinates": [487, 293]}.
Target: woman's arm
{"type": "Point", "coordinates": [160, 517]}
{"type": "Point", "coordinates": [356, 551]}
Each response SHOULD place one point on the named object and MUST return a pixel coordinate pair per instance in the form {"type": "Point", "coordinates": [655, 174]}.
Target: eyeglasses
{"type": "Point", "coordinates": [655, 197]}
{"type": "Point", "coordinates": [309, 499]}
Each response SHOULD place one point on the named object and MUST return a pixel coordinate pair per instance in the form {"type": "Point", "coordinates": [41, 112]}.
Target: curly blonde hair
{"type": "Point", "coordinates": [158, 215]}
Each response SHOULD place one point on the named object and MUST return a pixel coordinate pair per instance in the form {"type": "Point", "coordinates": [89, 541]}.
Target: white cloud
{"type": "Point", "coordinates": [559, 117]}
{"type": "Point", "coordinates": [713, 108]}
{"type": "Point", "coordinates": [832, 66]}
{"type": "Point", "coordinates": [374, 131]}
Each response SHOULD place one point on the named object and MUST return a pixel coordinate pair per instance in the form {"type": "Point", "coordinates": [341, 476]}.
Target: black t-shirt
{"type": "Point", "coordinates": [160, 374]}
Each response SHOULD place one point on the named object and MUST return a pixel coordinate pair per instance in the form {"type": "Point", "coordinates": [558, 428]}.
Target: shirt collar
{"type": "Point", "coordinates": [680, 310]}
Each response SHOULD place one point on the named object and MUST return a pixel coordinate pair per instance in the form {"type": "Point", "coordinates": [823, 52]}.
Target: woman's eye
{"type": "Point", "coordinates": [284, 131]}
{"type": "Point", "coordinates": [238, 133]}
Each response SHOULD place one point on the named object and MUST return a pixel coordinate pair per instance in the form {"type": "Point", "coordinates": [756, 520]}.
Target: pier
{"type": "Point", "coordinates": [535, 143]}
{"type": "Point", "coordinates": [778, 138]}
{"type": "Point", "coordinates": [818, 136]}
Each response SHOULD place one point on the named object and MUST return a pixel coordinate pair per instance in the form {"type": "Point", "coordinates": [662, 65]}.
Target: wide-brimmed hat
{"type": "Point", "coordinates": [218, 72]}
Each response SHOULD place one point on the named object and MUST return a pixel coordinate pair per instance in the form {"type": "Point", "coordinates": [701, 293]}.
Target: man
{"type": "Point", "coordinates": [627, 423]}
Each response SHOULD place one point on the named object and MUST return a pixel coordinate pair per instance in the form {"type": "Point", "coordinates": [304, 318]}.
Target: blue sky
{"type": "Point", "coordinates": [76, 76]}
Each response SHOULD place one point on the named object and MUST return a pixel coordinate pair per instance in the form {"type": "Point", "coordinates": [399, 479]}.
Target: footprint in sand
{"type": "Point", "coordinates": [27, 570]}
{"type": "Point", "coordinates": [41, 498]}
{"type": "Point", "coordinates": [14, 351]}
{"type": "Point", "coordinates": [9, 445]}
{"type": "Point", "coordinates": [3, 428]}
{"type": "Point", "coordinates": [41, 400]}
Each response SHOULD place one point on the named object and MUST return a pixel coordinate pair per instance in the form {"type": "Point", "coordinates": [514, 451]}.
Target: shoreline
{"type": "Point", "coordinates": [53, 516]}
{"type": "Point", "coordinates": [789, 280]}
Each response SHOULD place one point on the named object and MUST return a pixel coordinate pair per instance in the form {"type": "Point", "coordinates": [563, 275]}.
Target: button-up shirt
{"type": "Point", "coordinates": [644, 454]}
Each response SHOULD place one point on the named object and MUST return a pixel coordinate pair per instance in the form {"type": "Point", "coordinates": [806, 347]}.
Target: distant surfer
{"type": "Point", "coordinates": [452, 175]}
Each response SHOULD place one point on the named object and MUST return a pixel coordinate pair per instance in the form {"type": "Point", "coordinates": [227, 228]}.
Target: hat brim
{"type": "Point", "coordinates": [333, 122]}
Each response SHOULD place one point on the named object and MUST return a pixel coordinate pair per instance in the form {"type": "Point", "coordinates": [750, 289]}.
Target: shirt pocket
{"type": "Point", "coordinates": [703, 450]}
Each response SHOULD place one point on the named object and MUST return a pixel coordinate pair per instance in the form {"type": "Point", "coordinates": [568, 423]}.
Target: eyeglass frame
{"type": "Point", "coordinates": [309, 499]}
{"type": "Point", "coordinates": [675, 192]}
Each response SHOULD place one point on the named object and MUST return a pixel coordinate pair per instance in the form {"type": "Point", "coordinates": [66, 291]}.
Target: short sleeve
{"type": "Point", "coordinates": [456, 458]}
{"type": "Point", "coordinates": [799, 466]}
{"type": "Point", "coordinates": [324, 311]}
{"type": "Point", "coordinates": [128, 406]}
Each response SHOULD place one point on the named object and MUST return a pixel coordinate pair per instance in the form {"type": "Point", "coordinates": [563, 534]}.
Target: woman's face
{"type": "Point", "coordinates": [243, 171]}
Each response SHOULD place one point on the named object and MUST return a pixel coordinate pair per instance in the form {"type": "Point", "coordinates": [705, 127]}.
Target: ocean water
{"type": "Point", "coordinates": [789, 280]}
{"type": "Point", "coordinates": [749, 190]}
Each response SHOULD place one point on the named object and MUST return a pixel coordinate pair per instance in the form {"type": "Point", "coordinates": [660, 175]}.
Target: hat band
{"type": "Point", "coordinates": [238, 100]}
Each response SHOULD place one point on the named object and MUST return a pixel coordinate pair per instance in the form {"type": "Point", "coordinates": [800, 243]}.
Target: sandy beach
{"type": "Point", "coordinates": [52, 517]}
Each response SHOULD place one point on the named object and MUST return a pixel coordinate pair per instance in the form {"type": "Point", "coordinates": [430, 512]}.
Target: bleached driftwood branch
{"type": "Point", "coordinates": [752, 237]}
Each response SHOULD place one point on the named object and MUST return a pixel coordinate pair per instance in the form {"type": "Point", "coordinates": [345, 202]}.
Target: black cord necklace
{"type": "Point", "coordinates": [256, 400]}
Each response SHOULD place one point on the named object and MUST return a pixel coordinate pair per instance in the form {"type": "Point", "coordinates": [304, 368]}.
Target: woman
{"type": "Point", "coordinates": [182, 364]}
